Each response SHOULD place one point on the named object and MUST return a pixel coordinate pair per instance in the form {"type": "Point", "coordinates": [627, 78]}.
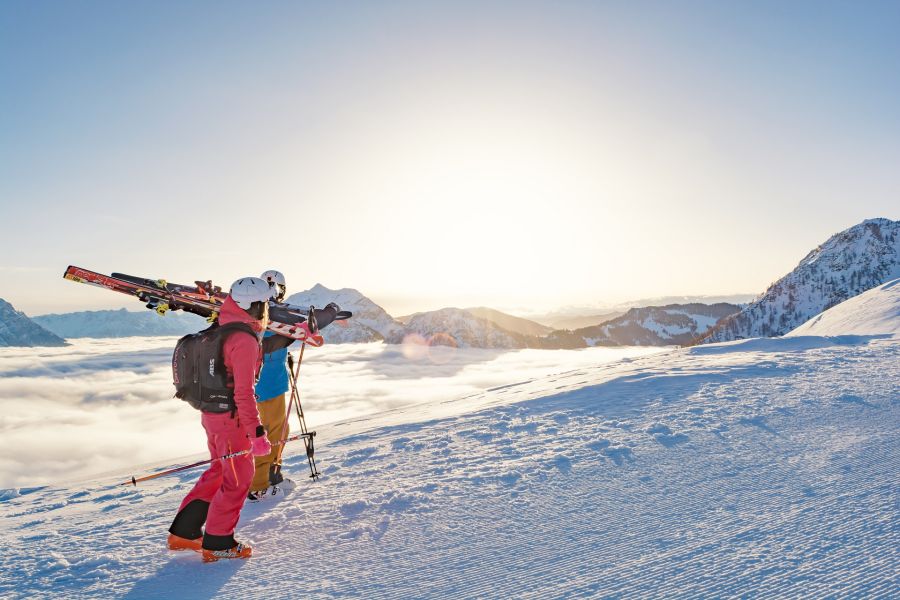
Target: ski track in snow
{"type": "Point", "coordinates": [765, 469]}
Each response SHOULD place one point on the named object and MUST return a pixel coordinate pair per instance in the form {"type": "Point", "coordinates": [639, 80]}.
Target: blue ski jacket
{"type": "Point", "coordinates": [273, 378]}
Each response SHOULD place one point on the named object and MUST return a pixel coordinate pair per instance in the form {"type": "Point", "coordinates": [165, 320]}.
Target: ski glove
{"type": "Point", "coordinates": [260, 445]}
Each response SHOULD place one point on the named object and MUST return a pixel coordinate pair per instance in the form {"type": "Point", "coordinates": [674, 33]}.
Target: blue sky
{"type": "Point", "coordinates": [521, 155]}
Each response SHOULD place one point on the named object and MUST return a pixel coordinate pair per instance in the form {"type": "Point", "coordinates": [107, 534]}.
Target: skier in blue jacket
{"type": "Point", "coordinates": [271, 388]}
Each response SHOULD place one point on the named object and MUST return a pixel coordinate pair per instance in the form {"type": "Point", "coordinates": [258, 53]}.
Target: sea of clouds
{"type": "Point", "coordinates": [106, 405]}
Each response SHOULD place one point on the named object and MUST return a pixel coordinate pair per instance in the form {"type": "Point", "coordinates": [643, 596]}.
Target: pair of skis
{"type": "Point", "coordinates": [203, 299]}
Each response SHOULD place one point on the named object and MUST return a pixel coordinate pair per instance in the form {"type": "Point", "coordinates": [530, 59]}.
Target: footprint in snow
{"type": "Point", "coordinates": [663, 435]}
{"type": "Point", "coordinates": [563, 464]}
{"type": "Point", "coordinates": [405, 443]}
{"type": "Point", "coordinates": [599, 444]}
{"type": "Point", "coordinates": [671, 440]}
{"type": "Point", "coordinates": [758, 421]}
{"type": "Point", "coordinates": [853, 399]}
{"type": "Point", "coordinates": [510, 478]}
{"type": "Point", "coordinates": [351, 510]}
{"type": "Point", "coordinates": [618, 454]}
{"type": "Point", "coordinates": [357, 456]}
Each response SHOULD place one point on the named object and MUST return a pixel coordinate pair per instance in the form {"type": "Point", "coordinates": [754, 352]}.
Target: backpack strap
{"type": "Point", "coordinates": [224, 332]}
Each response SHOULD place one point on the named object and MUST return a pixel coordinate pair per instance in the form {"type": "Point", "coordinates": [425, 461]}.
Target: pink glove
{"type": "Point", "coordinates": [260, 445]}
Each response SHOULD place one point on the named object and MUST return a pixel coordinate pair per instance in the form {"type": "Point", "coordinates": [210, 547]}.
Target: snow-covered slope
{"type": "Point", "coordinates": [761, 468]}
{"type": "Point", "coordinates": [875, 312]}
{"type": "Point", "coordinates": [460, 328]}
{"type": "Point", "coordinates": [16, 329]}
{"type": "Point", "coordinates": [848, 264]}
{"type": "Point", "coordinates": [675, 324]}
{"type": "Point", "coordinates": [120, 323]}
{"type": "Point", "coordinates": [370, 322]}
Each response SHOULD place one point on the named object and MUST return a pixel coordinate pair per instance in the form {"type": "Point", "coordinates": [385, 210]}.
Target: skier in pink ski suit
{"type": "Point", "coordinates": [217, 498]}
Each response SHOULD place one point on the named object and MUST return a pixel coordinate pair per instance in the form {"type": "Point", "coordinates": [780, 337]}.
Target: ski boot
{"type": "Point", "coordinates": [179, 543]}
{"type": "Point", "coordinates": [239, 550]}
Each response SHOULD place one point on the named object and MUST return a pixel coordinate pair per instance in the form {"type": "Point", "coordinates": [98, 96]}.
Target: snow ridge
{"type": "Point", "coordinates": [875, 312]}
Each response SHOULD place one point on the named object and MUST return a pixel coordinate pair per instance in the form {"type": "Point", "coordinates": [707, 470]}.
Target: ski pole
{"type": "Point", "coordinates": [295, 399]}
{"type": "Point", "coordinates": [134, 481]}
{"type": "Point", "coordinates": [287, 415]}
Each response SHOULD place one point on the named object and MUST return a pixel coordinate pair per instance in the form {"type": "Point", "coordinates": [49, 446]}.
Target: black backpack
{"type": "Point", "coordinates": [198, 368]}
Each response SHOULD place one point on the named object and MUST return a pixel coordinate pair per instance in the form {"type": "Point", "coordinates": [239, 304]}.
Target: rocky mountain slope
{"type": "Point", "coordinates": [847, 264]}
{"type": "Point", "coordinates": [16, 329]}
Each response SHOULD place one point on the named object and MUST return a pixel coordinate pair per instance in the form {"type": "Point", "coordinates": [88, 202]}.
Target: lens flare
{"type": "Point", "coordinates": [414, 347]}
{"type": "Point", "coordinates": [441, 348]}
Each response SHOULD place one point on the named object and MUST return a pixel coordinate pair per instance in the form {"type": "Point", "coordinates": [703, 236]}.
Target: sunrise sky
{"type": "Point", "coordinates": [521, 155]}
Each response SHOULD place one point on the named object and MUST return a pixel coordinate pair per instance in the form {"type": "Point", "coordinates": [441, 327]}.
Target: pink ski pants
{"type": "Point", "coordinates": [226, 482]}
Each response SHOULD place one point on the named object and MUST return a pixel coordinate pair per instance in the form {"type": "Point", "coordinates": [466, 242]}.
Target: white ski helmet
{"type": "Point", "coordinates": [276, 282]}
{"type": "Point", "coordinates": [247, 290]}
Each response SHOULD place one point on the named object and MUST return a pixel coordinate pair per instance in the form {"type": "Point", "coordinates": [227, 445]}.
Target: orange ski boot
{"type": "Point", "coordinates": [179, 543]}
{"type": "Point", "coordinates": [237, 551]}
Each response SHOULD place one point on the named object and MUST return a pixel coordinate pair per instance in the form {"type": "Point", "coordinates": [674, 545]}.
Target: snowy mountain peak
{"type": "Point", "coordinates": [320, 289]}
{"type": "Point", "coordinates": [370, 321]}
{"type": "Point", "coordinates": [847, 264]}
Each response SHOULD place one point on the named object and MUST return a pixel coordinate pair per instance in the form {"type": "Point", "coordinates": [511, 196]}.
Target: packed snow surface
{"type": "Point", "coordinates": [759, 468]}
{"type": "Point", "coordinates": [874, 312]}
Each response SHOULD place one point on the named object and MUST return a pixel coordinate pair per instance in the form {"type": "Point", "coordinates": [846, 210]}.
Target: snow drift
{"type": "Point", "coordinates": [876, 312]}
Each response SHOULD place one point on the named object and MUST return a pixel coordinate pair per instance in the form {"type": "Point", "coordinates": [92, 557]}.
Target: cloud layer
{"type": "Point", "coordinates": [106, 406]}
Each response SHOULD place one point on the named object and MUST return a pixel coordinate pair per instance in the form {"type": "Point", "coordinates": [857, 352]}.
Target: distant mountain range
{"type": "Point", "coordinates": [16, 329]}
{"type": "Point", "coordinates": [739, 299]}
{"type": "Point", "coordinates": [576, 317]}
{"type": "Point", "coordinates": [119, 323]}
{"type": "Point", "coordinates": [674, 324]}
{"type": "Point", "coordinates": [847, 264]}
{"type": "Point", "coordinates": [504, 320]}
